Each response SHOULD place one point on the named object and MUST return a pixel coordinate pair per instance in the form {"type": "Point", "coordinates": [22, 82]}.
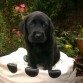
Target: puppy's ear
{"type": "Point", "coordinates": [51, 26]}
{"type": "Point", "coordinates": [22, 26]}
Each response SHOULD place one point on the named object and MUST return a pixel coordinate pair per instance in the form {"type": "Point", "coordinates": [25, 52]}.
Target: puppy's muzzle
{"type": "Point", "coordinates": [38, 36]}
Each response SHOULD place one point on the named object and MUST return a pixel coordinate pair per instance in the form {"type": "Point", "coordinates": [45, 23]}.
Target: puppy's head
{"type": "Point", "coordinates": [36, 27]}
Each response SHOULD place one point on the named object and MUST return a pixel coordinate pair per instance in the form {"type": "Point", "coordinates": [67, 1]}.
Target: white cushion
{"type": "Point", "coordinates": [65, 64]}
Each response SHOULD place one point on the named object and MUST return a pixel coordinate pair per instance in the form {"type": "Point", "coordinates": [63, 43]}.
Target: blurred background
{"type": "Point", "coordinates": [66, 15]}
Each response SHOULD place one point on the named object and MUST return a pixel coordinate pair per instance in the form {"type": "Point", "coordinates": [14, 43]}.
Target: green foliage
{"type": "Point", "coordinates": [8, 44]}
{"type": "Point", "coordinates": [67, 43]}
{"type": "Point", "coordinates": [53, 7]}
{"type": "Point", "coordinates": [80, 33]}
{"type": "Point", "coordinates": [57, 10]}
{"type": "Point", "coordinates": [9, 19]}
{"type": "Point", "coordinates": [50, 7]}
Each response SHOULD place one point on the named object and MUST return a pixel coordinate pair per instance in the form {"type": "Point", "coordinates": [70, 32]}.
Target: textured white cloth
{"type": "Point", "coordinates": [65, 64]}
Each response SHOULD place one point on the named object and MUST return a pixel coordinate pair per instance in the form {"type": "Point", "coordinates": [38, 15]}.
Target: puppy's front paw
{"type": "Point", "coordinates": [12, 67]}
{"type": "Point", "coordinates": [54, 73]}
{"type": "Point", "coordinates": [31, 72]}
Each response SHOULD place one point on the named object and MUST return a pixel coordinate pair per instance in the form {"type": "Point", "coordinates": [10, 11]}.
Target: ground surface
{"type": "Point", "coordinates": [79, 79]}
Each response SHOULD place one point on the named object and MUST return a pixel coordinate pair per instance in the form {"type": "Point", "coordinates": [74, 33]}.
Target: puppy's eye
{"type": "Point", "coordinates": [45, 25]}
{"type": "Point", "coordinates": [31, 25]}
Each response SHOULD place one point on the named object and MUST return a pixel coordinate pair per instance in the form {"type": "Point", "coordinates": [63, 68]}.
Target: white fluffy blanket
{"type": "Point", "coordinates": [65, 64]}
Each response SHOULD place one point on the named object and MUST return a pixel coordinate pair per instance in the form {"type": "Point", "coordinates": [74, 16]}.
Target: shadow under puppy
{"type": "Point", "coordinates": [37, 29]}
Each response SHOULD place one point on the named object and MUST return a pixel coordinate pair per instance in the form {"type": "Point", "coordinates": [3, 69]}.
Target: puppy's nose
{"type": "Point", "coordinates": [38, 35]}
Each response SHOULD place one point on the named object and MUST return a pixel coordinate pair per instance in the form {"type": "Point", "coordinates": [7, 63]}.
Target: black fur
{"type": "Point", "coordinates": [37, 29]}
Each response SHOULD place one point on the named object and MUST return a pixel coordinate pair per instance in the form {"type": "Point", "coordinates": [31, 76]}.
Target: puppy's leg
{"type": "Point", "coordinates": [32, 64]}
{"type": "Point", "coordinates": [48, 64]}
{"type": "Point", "coordinates": [47, 67]}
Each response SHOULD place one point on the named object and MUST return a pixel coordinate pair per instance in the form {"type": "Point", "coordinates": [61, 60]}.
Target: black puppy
{"type": "Point", "coordinates": [37, 29]}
